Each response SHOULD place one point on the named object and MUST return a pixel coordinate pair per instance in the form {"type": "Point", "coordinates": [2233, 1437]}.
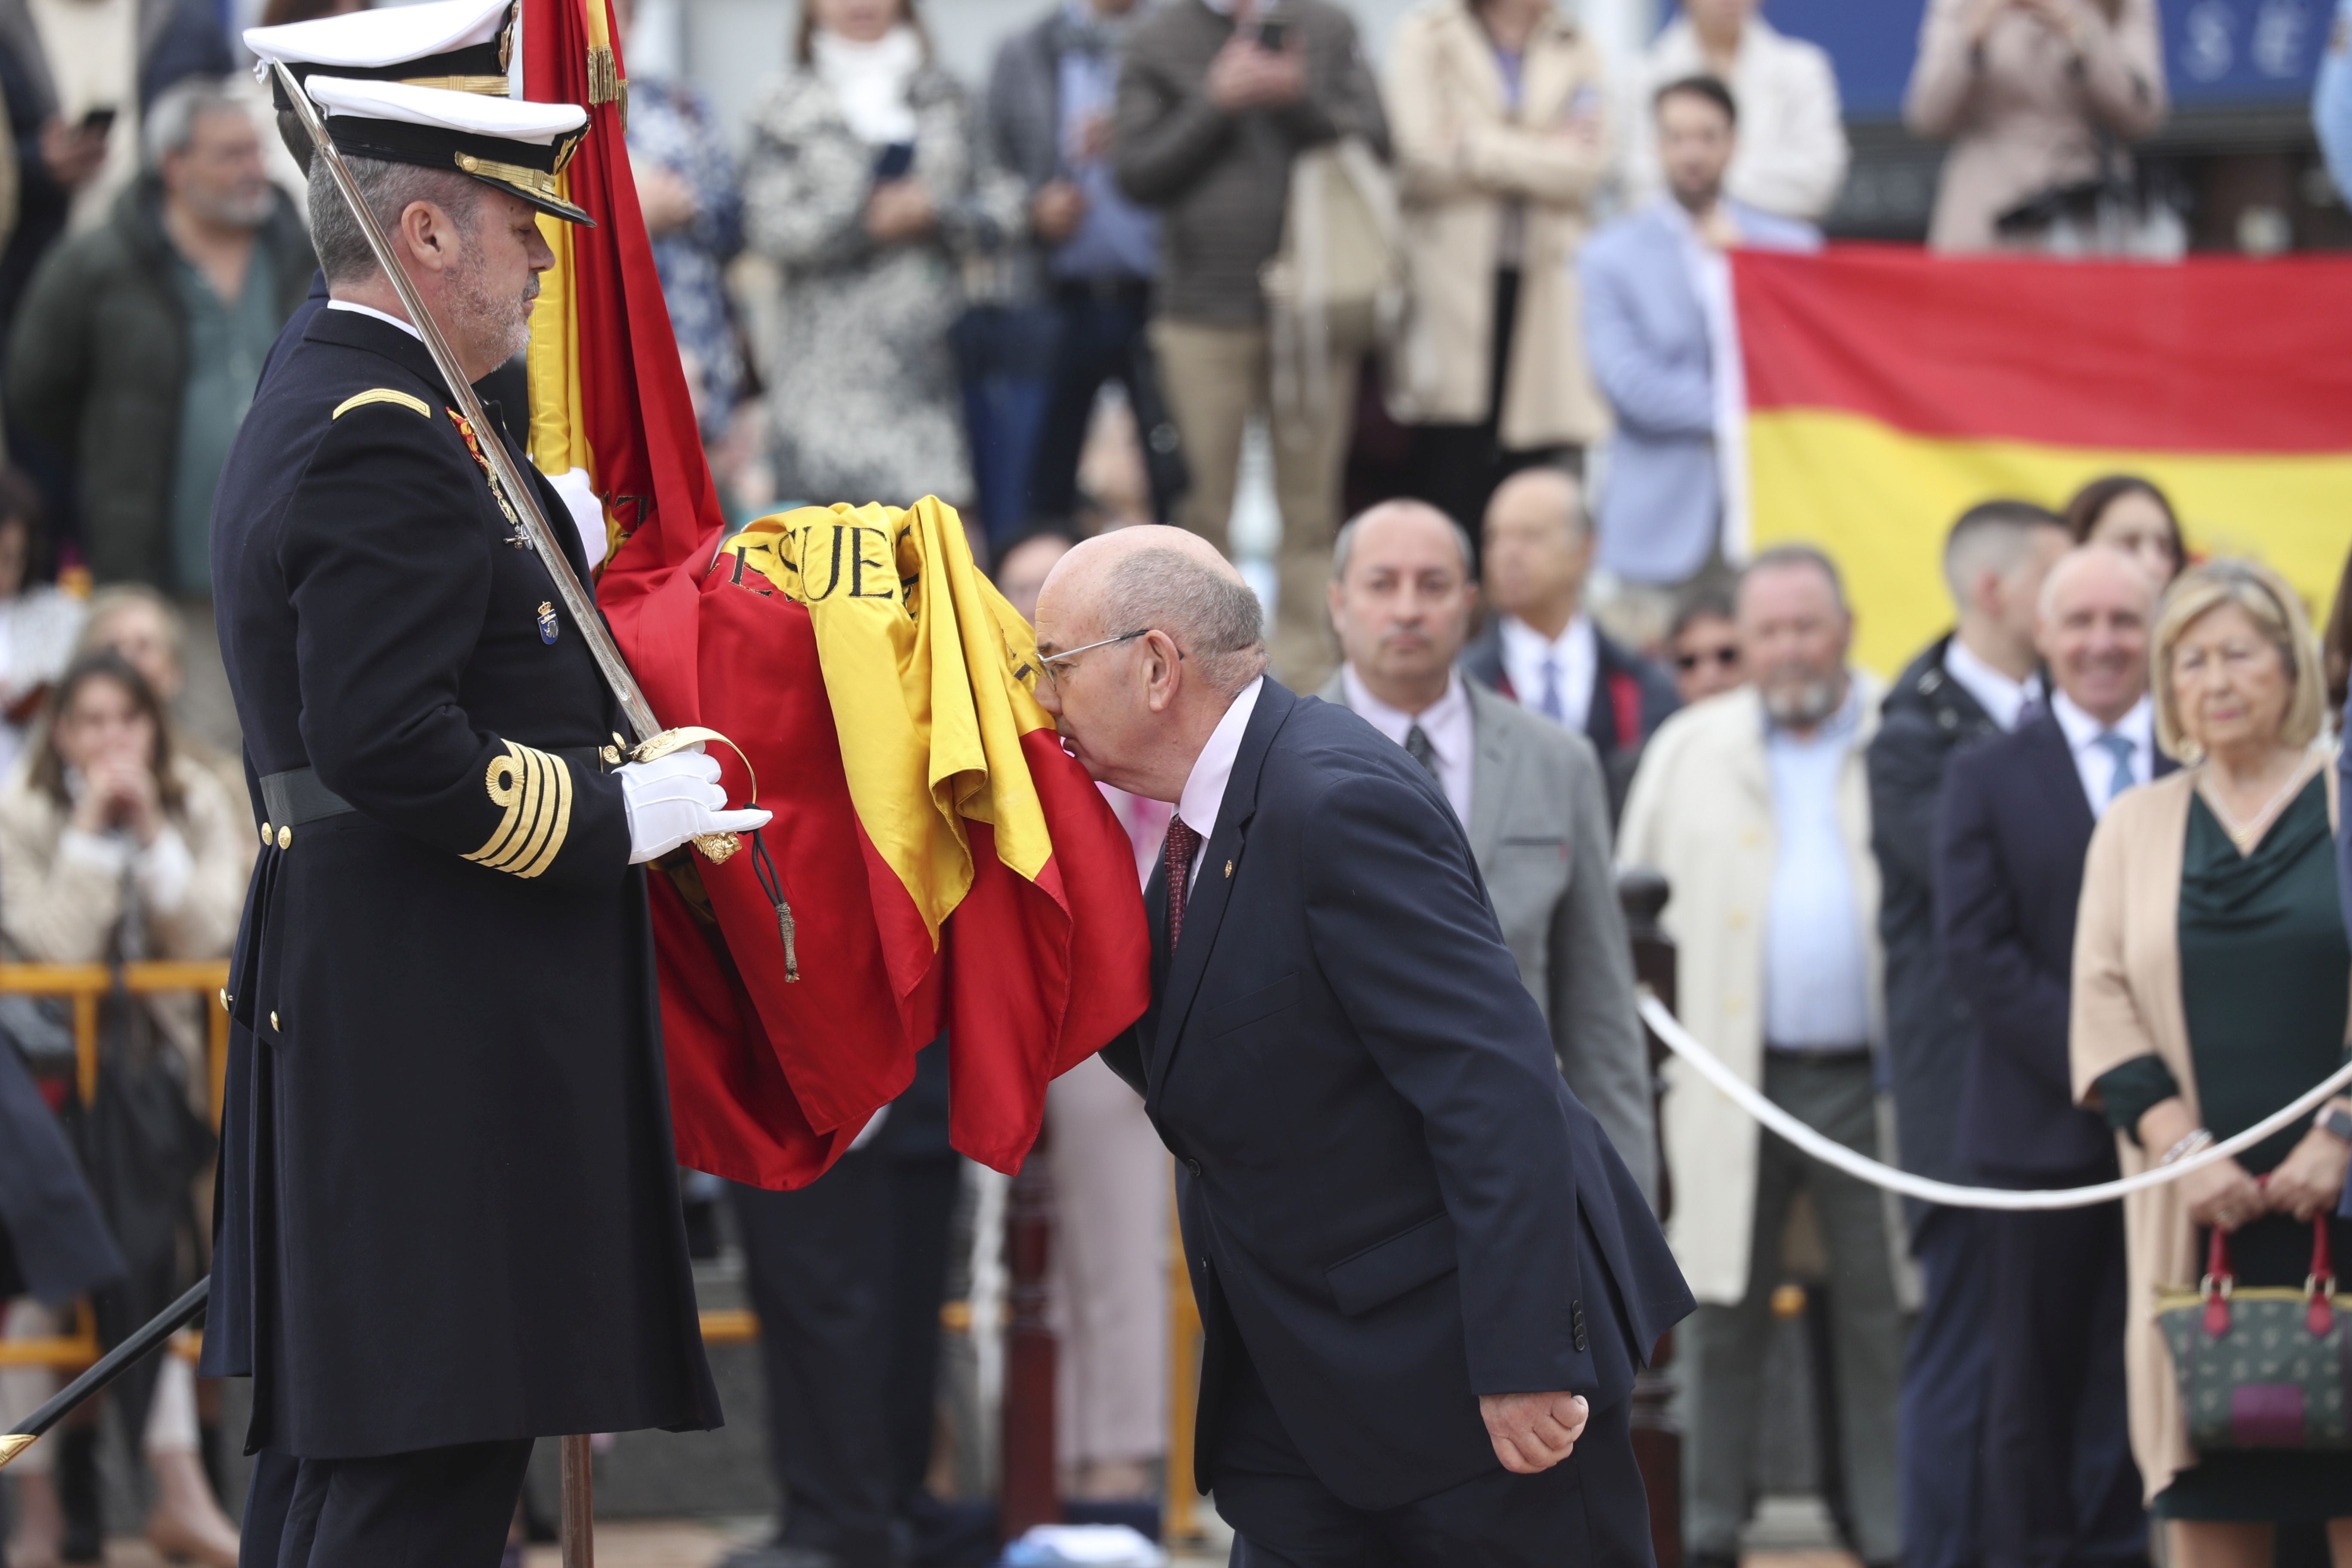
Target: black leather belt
{"type": "Point", "coordinates": [298, 795]}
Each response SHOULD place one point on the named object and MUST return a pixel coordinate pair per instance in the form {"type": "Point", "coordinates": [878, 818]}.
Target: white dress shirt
{"type": "Point", "coordinates": [1816, 970]}
{"type": "Point", "coordinates": [2095, 762]}
{"type": "Point", "coordinates": [2003, 699]}
{"type": "Point", "coordinates": [1204, 787]}
{"type": "Point", "coordinates": [1577, 653]}
{"type": "Point", "coordinates": [1445, 721]}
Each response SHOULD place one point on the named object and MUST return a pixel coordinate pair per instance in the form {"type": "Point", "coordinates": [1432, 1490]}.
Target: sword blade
{"type": "Point", "coordinates": [524, 496]}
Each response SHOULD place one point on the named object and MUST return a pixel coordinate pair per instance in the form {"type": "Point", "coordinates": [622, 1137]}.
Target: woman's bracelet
{"type": "Point", "coordinates": [2195, 1140]}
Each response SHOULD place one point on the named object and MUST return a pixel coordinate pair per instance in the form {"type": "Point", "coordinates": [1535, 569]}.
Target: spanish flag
{"type": "Point", "coordinates": [945, 864]}
{"type": "Point", "coordinates": [1889, 389]}
{"type": "Point", "coordinates": [948, 864]}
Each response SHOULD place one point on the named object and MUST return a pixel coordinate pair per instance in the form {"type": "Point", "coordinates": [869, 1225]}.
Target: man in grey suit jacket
{"type": "Point", "coordinates": [1664, 343]}
{"type": "Point", "coordinates": [1530, 792]}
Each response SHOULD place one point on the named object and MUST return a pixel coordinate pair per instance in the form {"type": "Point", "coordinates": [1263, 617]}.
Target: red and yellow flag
{"type": "Point", "coordinates": [945, 864]}
{"type": "Point", "coordinates": [1889, 389]}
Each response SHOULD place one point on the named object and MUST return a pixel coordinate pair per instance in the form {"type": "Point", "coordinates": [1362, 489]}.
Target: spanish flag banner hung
{"type": "Point", "coordinates": [944, 863]}
{"type": "Point", "coordinates": [1889, 389]}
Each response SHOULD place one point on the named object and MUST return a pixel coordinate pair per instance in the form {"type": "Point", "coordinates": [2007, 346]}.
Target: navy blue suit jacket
{"type": "Point", "coordinates": [2012, 833]}
{"type": "Point", "coordinates": [1392, 1203]}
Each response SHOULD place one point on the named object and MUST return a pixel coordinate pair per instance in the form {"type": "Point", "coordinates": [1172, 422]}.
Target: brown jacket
{"type": "Point", "coordinates": [2127, 1005]}
{"type": "Point", "coordinates": [2023, 114]}
{"type": "Point", "coordinates": [1221, 180]}
{"type": "Point", "coordinates": [1465, 156]}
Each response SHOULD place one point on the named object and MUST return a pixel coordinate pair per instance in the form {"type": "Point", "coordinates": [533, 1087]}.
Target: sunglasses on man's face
{"type": "Point", "coordinates": [1728, 657]}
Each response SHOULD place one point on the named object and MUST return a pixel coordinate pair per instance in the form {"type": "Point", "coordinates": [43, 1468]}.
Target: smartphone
{"type": "Point", "coordinates": [1271, 34]}
{"type": "Point", "coordinates": [893, 162]}
{"type": "Point", "coordinates": [100, 121]}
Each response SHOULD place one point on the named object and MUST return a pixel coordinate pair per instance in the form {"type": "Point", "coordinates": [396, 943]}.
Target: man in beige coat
{"type": "Point", "coordinates": [1498, 114]}
{"type": "Point", "coordinates": [1754, 805]}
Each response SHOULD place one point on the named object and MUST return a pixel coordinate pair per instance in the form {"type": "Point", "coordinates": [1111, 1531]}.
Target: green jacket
{"type": "Point", "coordinates": [97, 362]}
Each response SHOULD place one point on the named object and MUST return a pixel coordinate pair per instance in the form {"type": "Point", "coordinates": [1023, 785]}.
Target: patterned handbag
{"type": "Point", "coordinates": [2264, 1367]}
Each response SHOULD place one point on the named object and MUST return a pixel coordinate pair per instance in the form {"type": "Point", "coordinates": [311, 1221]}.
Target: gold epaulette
{"type": "Point", "coordinates": [382, 395]}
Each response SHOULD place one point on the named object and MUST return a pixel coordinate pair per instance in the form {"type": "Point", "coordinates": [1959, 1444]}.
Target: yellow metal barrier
{"type": "Point", "coordinates": [84, 985]}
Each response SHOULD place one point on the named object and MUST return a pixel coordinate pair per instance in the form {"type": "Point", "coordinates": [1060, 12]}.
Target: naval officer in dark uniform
{"type": "Point", "coordinates": [447, 1216]}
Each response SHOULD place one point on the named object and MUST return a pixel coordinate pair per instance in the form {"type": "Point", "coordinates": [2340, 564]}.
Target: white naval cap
{"type": "Point", "coordinates": [462, 45]}
{"type": "Point", "coordinates": [424, 85]}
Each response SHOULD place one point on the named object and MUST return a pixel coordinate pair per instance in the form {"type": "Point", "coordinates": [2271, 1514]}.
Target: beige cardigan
{"type": "Point", "coordinates": [1701, 813]}
{"type": "Point", "coordinates": [60, 909]}
{"type": "Point", "coordinates": [2126, 1005]}
{"type": "Point", "coordinates": [1462, 156]}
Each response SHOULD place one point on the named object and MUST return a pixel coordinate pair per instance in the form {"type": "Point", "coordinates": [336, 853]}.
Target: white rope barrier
{"type": "Point", "coordinates": [1710, 1066]}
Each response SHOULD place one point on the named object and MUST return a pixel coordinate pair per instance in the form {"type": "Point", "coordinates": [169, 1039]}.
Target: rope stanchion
{"type": "Point", "coordinates": [1829, 1152]}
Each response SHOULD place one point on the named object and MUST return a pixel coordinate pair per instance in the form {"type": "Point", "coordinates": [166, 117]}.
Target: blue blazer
{"type": "Point", "coordinates": [1390, 1201]}
{"type": "Point", "coordinates": [2012, 833]}
{"type": "Point", "coordinates": [1646, 338]}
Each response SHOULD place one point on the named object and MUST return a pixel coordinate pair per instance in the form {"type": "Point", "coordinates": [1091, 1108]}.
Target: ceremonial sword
{"type": "Point", "coordinates": [651, 740]}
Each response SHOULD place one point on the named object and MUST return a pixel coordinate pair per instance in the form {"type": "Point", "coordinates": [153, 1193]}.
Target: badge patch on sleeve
{"type": "Point", "coordinates": [547, 624]}
{"type": "Point", "coordinates": [534, 790]}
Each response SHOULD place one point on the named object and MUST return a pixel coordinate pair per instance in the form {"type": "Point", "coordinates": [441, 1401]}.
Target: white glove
{"type": "Point", "coordinates": [674, 798]}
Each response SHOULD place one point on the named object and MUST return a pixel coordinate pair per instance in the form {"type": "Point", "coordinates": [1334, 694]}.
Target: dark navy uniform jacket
{"type": "Point", "coordinates": [1392, 1203]}
{"type": "Point", "coordinates": [447, 1209]}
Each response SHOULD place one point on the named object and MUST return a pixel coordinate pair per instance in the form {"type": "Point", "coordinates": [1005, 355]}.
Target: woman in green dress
{"type": "Point", "coordinates": [2212, 979]}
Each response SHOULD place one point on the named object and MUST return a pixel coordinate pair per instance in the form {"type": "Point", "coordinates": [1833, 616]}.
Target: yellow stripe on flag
{"type": "Point", "coordinates": [1880, 501]}
{"type": "Point", "coordinates": [926, 668]}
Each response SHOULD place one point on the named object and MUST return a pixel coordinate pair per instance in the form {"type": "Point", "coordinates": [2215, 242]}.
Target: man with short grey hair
{"type": "Point", "coordinates": [1754, 806]}
{"type": "Point", "coordinates": [1530, 794]}
{"type": "Point", "coordinates": [138, 347]}
{"type": "Point", "coordinates": [1425, 1277]}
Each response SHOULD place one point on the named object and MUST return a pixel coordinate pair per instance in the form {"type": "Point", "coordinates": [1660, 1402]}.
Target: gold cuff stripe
{"type": "Point", "coordinates": [534, 789]}
{"type": "Point", "coordinates": [381, 395]}
{"type": "Point", "coordinates": [536, 180]}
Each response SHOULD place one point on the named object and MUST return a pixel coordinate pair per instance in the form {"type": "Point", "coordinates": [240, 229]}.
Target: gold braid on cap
{"type": "Point", "coordinates": [482, 86]}
{"type": "Point", "coordinates": [537, 180]}
{"type": "Point", "coordinates": [535, 791]}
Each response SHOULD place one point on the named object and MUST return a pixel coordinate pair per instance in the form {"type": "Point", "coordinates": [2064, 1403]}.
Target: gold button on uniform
{"type": "Point", "coordinates": [226, 999]}
{"type": "Point", "coordinates": [273, 1018]}
{"type": "Point", "coordinates": [285, 837]}
{"type": "Point", "coordinates": [265, 835]}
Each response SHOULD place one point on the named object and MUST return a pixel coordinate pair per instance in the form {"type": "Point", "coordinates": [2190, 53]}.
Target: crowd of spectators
{"type": "Point", "coordinates": [1063, 300]}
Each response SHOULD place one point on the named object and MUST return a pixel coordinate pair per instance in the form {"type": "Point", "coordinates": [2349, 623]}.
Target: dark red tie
{"type": "Point", "coordinates": [1178, 854]}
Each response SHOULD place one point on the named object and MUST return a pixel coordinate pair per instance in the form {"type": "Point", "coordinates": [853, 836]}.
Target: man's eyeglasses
{"type": "Point", "coordinates": [1056, 666]}
{"type": "Point", "coordinates": [1725, 657]}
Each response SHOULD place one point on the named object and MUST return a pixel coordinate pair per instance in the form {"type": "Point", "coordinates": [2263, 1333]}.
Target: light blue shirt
{"type": "Point", "coordinates": [2331, 100]}
{"type": "Point", "coordinates": [1116, 238]}
{"type": "Point", "coordinates": [1816, 973]}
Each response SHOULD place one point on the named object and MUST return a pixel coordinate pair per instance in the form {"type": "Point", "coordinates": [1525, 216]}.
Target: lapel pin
{"type": "Point", "coordinates": [1229, 869]}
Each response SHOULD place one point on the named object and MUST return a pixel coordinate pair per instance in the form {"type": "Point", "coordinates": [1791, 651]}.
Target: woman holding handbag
{"type": "Point", "coordinates": [2213, 985]}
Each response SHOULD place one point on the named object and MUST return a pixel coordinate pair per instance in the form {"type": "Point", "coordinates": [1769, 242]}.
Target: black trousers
{"type": "Point", "coordinates": [448, 1507]}
{"type": "Point", "coordinates": [2060, 1487]}
{"type": "Point", "coordinates": [1101, 337]}
{"type": "Point", "coordinates": [847, 1276]}
{"type": "Point", "coordinates": [1586, 1511]}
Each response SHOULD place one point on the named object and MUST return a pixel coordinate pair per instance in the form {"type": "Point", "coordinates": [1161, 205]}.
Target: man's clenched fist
{"type": "Point", "coordinates": [1533, 1432]}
